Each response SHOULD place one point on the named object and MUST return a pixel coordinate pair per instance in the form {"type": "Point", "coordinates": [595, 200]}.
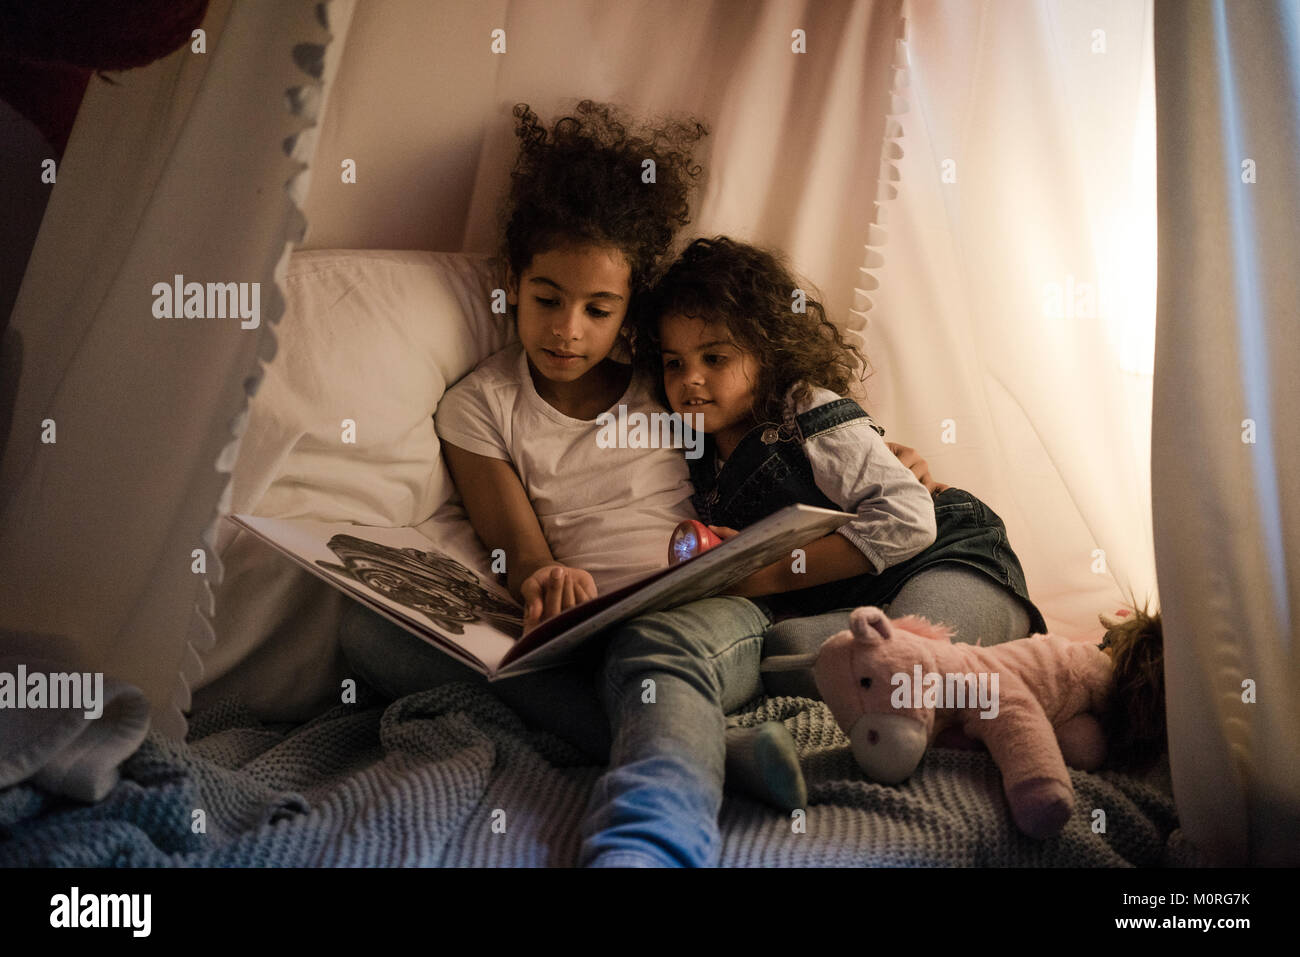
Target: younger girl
{"type": "Point", "coordinates": [769, 382]}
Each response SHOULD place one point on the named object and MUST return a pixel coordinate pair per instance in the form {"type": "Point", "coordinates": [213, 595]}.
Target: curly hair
{"type": "Point", "coordinates": [585, 181]}
{"type": "Point", "coordinates": [1134, 717]}
{"type": "Point", "coordinates": [752, 293]}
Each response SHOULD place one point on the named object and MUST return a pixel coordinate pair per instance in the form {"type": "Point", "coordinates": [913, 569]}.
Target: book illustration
{"type": "Point", "coordinates": [426, 580]}
{"type": "Point", "coordinates": [429, 582]}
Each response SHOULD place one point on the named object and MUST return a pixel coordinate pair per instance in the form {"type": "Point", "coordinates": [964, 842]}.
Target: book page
{"type": "Point", "coordinates": [403, 575]}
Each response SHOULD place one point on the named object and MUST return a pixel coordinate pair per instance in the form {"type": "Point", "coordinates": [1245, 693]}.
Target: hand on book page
{"type": "Point", "coordinates": [552, 589]}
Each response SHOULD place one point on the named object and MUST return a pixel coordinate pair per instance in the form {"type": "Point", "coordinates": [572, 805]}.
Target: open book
{"type": "Point", "coordinates": [416, 582]}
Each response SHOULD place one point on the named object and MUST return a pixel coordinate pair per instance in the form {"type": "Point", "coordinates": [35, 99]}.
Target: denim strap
{"type": "Point", "coordinates": [823, 418]}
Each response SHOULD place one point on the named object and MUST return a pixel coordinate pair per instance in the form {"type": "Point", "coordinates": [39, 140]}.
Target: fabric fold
{"type": "Point", "coordinates": [73, 750]}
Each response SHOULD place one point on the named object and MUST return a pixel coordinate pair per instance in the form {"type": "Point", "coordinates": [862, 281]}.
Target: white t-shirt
{"type": "Point", "coordinates": [608, 511]}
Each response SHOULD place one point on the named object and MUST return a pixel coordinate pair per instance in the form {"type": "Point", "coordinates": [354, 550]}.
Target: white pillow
{"type": "Point", "coordinates": [371, 336]}
{"type": "Point", "coordinates": [375, 338]}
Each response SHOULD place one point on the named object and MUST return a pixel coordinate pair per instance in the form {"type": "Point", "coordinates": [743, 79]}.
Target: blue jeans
{"type": "Point", "coordinates": [668, 681]}
{"type": "Point", "coordinates": [396, 663]}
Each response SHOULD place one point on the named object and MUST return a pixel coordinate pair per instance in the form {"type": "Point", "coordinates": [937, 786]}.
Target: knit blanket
{"type": "Point", "coordinates": [451, 777]}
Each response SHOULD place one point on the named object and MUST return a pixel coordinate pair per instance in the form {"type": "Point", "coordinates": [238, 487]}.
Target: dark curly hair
{"type": "Point", "coordinates": [584, 181]}
{"type": "Point", "coordinates": [1134, 716]}
{"type": "Point", "coordinates": [751, 292]}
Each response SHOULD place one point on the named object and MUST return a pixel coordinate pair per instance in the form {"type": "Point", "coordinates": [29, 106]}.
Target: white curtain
{"type": "Point", "coordinates": [1011, 319]}
{"type": "Point", "coordinates": [176, 168]}
{"type": "Point", "coordinates": [1224, 451]}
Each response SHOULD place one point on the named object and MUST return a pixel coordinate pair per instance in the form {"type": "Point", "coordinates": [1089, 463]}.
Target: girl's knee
{"type": "Point", "coordinates": [703, 630]}
{"type": "Point", "coordinates": [392, 661]}
{"type": "Point", "coordinates": [694, 649]}
{"type": "Point", "coordinates": [634, 650]}
{"type": "Point", "coordinates": [978, 608]}
{"type": "Point", "coordinates": [801, 636]}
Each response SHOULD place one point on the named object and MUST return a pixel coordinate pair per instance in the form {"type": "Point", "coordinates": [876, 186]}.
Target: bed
{"type": "Point", "coordinates": [279, 772]}
{"type": "Point", "coordinates": [450, 777]}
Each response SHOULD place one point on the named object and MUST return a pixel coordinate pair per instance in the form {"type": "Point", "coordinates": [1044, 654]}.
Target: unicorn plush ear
{"type": "Point", "coordinates": [925, 628]}
{"type": "Point", "coordinates": [869, 623]}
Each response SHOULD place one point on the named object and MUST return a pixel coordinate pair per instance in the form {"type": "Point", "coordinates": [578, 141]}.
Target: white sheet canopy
{"type": "Point", "coordinates": [971, 185]}
{"type": "Point", "coordinates": [179, 168]}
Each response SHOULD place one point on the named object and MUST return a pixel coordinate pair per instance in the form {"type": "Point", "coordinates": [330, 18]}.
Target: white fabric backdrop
{"type": "Point", "coordinates": [423, 107]}
{"type": "Point", "coordinates": [179, 167]}
{"type": "Point", "coordinates": [1013, 321]}
{"type": "Point", "coordinates": [1224, 452]}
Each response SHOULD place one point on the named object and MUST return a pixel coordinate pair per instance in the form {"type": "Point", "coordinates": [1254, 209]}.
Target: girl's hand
{"type": "Point", "coordinates": [551, 589]}
{"type": "Point", "coordinates": [722, 531]}
{"type": "Point", "coordinates": [920, 468]}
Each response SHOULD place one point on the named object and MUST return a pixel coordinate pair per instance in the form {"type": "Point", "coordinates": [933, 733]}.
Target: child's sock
{"type": "Point", "coordinates": [763, 763]}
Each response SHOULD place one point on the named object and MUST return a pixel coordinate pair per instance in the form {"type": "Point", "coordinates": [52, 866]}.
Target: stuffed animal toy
{"type": "Point", "coordinates": [1036, 704]}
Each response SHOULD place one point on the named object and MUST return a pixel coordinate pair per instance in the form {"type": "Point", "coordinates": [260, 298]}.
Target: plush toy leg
{"type": "Point", "coordinates": [1083, 745]}
{"type": "Point", "coordinates": [1034, 777]}
{"type": "Point", "coordinates": [1041, 806]}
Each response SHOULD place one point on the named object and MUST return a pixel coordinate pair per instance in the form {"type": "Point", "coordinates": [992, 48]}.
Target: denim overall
{"type": "Point", "coordinates": [769, 470]}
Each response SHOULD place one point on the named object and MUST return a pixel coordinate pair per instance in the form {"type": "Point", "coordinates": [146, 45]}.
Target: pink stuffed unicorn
{"type": "Point", "coordinates": [894, 687]}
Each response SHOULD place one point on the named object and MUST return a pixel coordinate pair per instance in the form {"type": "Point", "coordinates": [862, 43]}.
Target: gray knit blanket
{"type": "Point", "coordinates": [451, 777]}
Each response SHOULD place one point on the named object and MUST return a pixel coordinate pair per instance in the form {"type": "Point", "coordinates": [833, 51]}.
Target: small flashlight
{"type": "Point", "coordinates": [690, 538]}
